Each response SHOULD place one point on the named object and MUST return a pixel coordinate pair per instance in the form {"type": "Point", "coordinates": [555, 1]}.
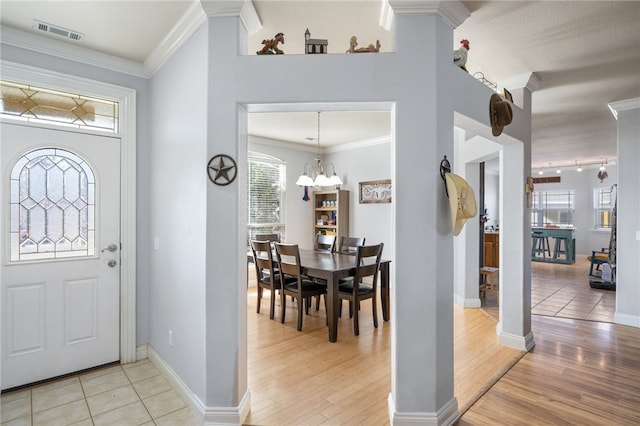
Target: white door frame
{"type": "Point", "coordinates": [126, 97]}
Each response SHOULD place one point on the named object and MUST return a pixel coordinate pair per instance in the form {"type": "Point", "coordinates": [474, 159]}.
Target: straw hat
{"type": "Point", "coordinates": [500, 113]}
{"type": "Point", "coordinates": [462, 201]}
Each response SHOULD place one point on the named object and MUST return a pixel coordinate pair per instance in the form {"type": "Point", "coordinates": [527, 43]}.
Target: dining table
{"type": "Point", "coordinates": [331, 267]}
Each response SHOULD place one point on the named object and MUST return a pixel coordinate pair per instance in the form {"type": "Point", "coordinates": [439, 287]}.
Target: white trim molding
{"type": "Point", "coordinates": [521, 343]}
{"type": "Point", "coordinates": [126, 98]}
{"type": "Point", "coordinates": [242, 8]}
{"type": "Point", "coordinates": [453, 12]}
{"type": "Point", "coordinates": [626, 319]}
{"type": "Point", "coordinates": [625, 105]}
{"type": "Point", "coordinates": [446, 415]}
{"type": "Point", "coordinates": [209, 415]}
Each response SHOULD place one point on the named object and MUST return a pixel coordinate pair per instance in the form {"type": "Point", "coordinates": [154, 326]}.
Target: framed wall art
{"type": "Point", "coordinates": [375, 191]}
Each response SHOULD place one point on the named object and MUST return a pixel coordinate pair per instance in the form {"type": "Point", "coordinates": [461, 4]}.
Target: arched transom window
{"type": "Point", "coordinates": [52, 206]}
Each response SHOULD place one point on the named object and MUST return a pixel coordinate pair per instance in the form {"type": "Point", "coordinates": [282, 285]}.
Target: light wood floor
{"type": "Point", "coordinates": [580, 372]}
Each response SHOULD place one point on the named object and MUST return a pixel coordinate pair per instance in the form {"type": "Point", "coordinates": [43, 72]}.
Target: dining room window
{"type": "Point", "coordinates": [266, 192]}
{"type": "Point", "coordinates": [553, 208]}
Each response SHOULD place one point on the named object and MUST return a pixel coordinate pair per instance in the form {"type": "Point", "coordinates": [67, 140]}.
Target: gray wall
{"type": "Point", "coordinates": [178, 202]}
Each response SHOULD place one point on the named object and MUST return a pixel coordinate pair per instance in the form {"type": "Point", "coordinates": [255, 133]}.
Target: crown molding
{"type": "Point", "coordinates": [242, 8]}
{"type": "Point", "coordinates": [37, 43]}
{"type": "Point", "coordinates": [453, 12]}
{"type": "Point", "coordinates": [625, 105]}
{"type": "Point", "coordinates": [188, 23]}
{"type": "Point", "coordinates": [349, 146]}
{"type": "Point", "coordinates": [195, 16]}
{"type": "Point", "coordinates": [528, 80]}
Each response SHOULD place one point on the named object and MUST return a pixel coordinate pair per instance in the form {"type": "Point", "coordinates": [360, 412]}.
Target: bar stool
{"type": "Point", "coordinates": [540, 245]}
{"type": "Point", "coordinates": [490, 281]}
{"type": "Point", "coordinates": [558, 249]}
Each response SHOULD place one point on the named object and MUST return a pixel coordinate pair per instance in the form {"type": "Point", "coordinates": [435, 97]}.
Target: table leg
{"type": "Point", "coordinates": [384, 290]}
{"type": "Point", "coordinates": [332, 308]}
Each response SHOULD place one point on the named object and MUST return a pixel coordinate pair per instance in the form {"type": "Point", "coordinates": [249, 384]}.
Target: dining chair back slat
{"type": "Point", "coordinates": [295, 284]}
{"type": "Point", "coordinates": [354, 289]}
{"type": "Point", "coordinates": [266, 275]}
{"type": "Point", "coordinates": [325, 243]}
{"type": "Point", "coordinates": [274, 238]}
{"type": "Point", "coordinates": [349, 245]}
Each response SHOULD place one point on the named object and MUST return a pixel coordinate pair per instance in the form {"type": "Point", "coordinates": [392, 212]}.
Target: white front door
{"type": "Point", "coordinates": [60, 228]}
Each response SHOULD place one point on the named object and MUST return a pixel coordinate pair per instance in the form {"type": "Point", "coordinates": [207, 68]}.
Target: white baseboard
{"type": "Point", "coordinates": [209, 415]}
{"type": "Point", "coordinates": [626, 319]}
{"type": "Point", "coordinates": [141, 352]}
{"type": "Point", "coordinates": [468, 302]}
{"type": "Point", "coordinates": [446, 415]}
{"type": "Point", "coordinates": [522, 343]}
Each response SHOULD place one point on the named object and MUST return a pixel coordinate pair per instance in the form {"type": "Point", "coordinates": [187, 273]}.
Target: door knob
{"type": "Point", "coordinates": [112, 263]}
{"type": "Point", "coordinates": [111, 247]}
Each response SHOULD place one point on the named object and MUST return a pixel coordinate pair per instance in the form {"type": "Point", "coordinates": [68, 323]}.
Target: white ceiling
{"type": "Point", "coordinates": [585, 54]}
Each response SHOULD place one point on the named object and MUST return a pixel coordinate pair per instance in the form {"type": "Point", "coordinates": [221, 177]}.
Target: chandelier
{"type": "Point", "coordinates": [320, 177]}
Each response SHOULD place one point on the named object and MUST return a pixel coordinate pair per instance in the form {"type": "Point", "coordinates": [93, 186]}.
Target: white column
{"type": "Point", "coordinates": [422, 299]}
{"type": "Point", "coordinates": [227, 398]}
{"type": "Point", "coordinates": [628, 219]}
{"type": "Point", "coordinates": [514, 327]}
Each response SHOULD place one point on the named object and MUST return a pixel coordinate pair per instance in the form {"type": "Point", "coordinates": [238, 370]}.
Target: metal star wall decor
{"type": "Point", "coordinates": [222, 169]}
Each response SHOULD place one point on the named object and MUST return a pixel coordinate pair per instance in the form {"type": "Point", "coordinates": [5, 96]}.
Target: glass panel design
{"type": "Point", "coordinates": [52, 206]}
{"type": "Point", "coordinates": [37, 104]}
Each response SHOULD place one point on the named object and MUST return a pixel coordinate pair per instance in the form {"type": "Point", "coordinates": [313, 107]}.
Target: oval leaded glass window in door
{"type": "Point", "coordinates": [52, 206]}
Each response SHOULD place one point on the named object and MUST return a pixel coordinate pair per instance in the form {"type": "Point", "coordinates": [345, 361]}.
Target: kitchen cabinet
{"type": "Point", "coordinates": [491, 249]}
{"type": "Point", "coordinates": [331, 213]}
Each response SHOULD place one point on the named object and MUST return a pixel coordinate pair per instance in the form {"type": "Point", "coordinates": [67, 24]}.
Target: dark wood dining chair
{"type": "Point", "coordinates": [266, 276]}
{"type": "Point", "coordinates": [301, 288]}
{"type": "Point", "coordinates": [325, 243]}
{"type": "Point", "coordinates": [349, 245]}
{"type": "Point", "coordinates": [355, 290]}
{"type": "Point", "coordinates": [274, 238]}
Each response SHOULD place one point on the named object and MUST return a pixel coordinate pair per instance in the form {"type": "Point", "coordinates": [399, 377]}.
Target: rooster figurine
{"type": "Point", "coordinates": [460, 55]}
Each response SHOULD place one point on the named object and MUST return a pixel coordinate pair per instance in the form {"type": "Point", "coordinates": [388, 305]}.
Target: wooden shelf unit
{"type": "Point", "coordinates": [331, 213]}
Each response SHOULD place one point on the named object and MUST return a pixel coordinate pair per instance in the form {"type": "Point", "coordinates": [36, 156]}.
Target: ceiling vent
{"type": "Point", "coordinates": [56, 30]}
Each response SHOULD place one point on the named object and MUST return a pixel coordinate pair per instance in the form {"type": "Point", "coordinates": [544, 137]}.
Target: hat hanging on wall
{"type": "Point", "coordinates": [500, 113]}
{"type": "Point", "coordinates": [462, 201]}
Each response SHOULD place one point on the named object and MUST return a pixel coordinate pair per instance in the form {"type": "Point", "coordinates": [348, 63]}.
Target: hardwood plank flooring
{"type": "Point", "coordinates": [348, 382]}
{"type": "Point", "coordinates": [579, 373]}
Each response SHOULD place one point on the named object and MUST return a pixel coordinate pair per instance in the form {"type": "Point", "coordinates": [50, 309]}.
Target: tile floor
{"type": "Point", "coordinates": [131, 394]}
{"type": "Point", "coordinates": [560, 290]}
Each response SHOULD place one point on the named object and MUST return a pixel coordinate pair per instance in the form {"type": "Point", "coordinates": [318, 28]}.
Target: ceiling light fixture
{"type": "Point", "coordinates": [602, 167]}
{"type": "Point", "coordinates": [320, 179]}
{"type": "Point", "coordinates": [540, 172]}
{"type": "Point", "coordinates": [578, 167]}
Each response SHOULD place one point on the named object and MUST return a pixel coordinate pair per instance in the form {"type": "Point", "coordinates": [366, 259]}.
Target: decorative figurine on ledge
{"type": "Point", "coordinates": [271, 46]}
{"type": "Point", "coordinates": [460, 55]}
{"type": "Point", "coordinates": [354, 42]}
{"type": "Point", "coordinates": [314, 45]}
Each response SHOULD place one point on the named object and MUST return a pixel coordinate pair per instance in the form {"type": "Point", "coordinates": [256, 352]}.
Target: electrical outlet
{"type": "Point", "coordinates": [170, 338]}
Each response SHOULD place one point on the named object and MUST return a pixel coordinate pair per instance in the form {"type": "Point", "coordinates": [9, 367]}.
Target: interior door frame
{"type": "Point", "coordinates": [126, 98]}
